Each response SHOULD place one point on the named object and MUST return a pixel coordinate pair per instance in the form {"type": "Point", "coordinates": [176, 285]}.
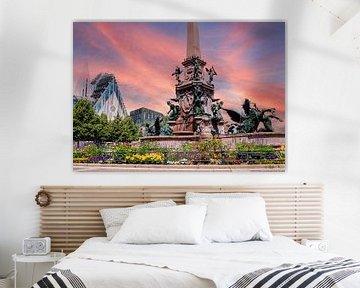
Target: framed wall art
{"type": "Point", "coordinates": [164, 96]}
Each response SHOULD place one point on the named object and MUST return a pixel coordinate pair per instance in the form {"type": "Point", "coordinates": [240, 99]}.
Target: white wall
{"type": "Point", "coordinates": [323, 100]}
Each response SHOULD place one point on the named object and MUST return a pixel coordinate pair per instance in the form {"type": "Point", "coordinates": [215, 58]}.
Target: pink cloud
{"type": "Point", "coordinates": [143, 58]}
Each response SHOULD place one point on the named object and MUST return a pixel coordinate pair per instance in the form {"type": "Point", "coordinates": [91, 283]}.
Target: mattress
{"type": "Point", "coordinates": [99, 263]}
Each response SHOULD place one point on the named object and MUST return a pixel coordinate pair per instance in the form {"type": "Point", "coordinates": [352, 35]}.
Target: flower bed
{"type": "Point", "coordinates": [211, 152]}
{"type": "Point", "coordinates": [151, 158]}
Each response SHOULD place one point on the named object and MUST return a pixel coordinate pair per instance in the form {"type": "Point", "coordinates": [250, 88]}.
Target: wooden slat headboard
{"type": "Point", "coordinates": [73, 215]}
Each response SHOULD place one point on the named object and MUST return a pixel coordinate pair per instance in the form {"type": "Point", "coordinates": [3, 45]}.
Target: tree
{"type": "Point", "coordinates": [123, 130]}
{"type": "Point", "coordinates": [101, 129]}
{"type": "Point", "coordinates": [84, 118]}
{"type": "Point", "coordinates": [130, 131]}
{"type": "Point", "coordinates": [88, 126]}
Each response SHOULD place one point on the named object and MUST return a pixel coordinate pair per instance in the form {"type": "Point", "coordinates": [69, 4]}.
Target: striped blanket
{"type": "Point", "coordinates": [59, 278]}
{"type": "Point", "coordinates": [320, 274]}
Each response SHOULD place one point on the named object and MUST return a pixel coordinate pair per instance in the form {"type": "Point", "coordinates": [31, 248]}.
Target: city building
{"type": "Point", "coordinates": [144, 115]}
{"type": "Point", "coordinates": [107, 96]}
{"type": "Point", "coordinates": [104, 93]}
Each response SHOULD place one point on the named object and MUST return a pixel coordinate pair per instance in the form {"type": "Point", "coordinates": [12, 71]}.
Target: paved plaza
{"type": "Point", "coordinates": [170, 168]}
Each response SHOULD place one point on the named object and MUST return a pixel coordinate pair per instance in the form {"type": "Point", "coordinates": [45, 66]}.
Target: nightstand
{"type": "Point", "coordinates": [53, 257]}
{"type": "Point", "coordinates": [320, 245]}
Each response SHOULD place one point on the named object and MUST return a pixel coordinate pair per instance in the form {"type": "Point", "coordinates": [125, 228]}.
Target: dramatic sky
{"type": "Point", "coordinates": [249, 58]}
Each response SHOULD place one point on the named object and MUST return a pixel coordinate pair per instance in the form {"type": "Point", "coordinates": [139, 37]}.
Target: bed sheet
{"type": "Point", "coordinates": [112, 274]}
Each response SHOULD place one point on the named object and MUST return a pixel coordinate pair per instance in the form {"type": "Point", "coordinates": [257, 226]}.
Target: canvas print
{"type": "Point", "coordinates": [178, 96]}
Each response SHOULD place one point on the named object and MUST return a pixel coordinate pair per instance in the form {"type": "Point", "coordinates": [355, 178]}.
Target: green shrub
{"type": "Point", "coordinates": [121, 151]}
{"type": "Point", "coordinates": [186, 147]}
{"type": "Point", "coordinates": [259, 154]}
{"type": "Point", "coordinates": [78, 153]}
{"type": "Point", "coordinates": [147, 147]}
{"type": "Point", "coordinates": [247, 147]}
{"type": "Point", "coordinates": [212, 151]}
{"type": "Point", "coordinates": [93, 151]}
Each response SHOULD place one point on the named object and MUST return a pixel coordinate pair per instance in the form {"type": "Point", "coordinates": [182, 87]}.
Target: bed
{"type": "Point", "coordinates": [99, 263]}
{"type": "Point", "coordinates": [293, 210]}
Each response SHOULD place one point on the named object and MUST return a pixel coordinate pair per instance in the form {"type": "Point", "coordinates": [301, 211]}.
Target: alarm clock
{"type": "Point", "coordinates": [320, 245]}
{"type": "Point", "coordinates": [36, 246]}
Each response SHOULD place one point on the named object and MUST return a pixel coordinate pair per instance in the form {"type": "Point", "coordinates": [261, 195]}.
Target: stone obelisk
{"type": "Point", "coordinates": [194, 93]}
{"type": "Point", "coordinates": [193, 42]}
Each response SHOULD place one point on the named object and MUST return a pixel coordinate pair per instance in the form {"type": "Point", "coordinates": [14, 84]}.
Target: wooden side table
{"type": "Point", "coordinates": [53, 257]}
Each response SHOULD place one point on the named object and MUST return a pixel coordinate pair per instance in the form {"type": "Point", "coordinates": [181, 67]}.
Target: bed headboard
{"type": "Point", "coordinates": [73, 214]}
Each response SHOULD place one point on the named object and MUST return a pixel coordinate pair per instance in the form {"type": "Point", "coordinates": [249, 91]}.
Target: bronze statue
{"type": "Point", "coordinates": [245, 122]}
{"type": "Point", "coordinates": [149, 131]}
{"type": "Point", "coordinates": [215, 109]}
{"type": "Point", "coordinates": [177, 74]}
{"type": "Point", "coordinates": [266, 120]}
{"type": "Point", "coordinates": [198, 129]}
{"type": "Point", "coordinates": [249, 121]}
{"type": "Point", "coordinates": [174, 111]}
{"type": "Point", "coordinates": [198, 106]}
{"type": "Point", "coordinates": [157, 126]}
{"type": "Point", "coordinates": [216, 116]}
{"type": "Point", "coordinates": [211, 72]}
{"type": "Point", "coordinates": [196, 69]}
{"type": "Point", "coordinates": [198, 91]}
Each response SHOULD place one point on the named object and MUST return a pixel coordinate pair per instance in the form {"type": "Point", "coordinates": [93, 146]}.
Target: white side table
{"type": "Point", "coordinates": [53, 257]}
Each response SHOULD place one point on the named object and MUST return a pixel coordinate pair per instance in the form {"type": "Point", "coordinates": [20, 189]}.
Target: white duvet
{"type": "Point", "coordinates": [100, 263]}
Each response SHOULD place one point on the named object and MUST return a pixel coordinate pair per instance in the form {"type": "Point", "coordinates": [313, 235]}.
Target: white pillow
{"type": "Point", "coordinates": [180, 224]}
{"type": "Point", "coordinates": [113, 218]}
{"type": "Point", "coordinates": [204, 198]}
{"type": "Point", "coordinates": [236, 220]}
